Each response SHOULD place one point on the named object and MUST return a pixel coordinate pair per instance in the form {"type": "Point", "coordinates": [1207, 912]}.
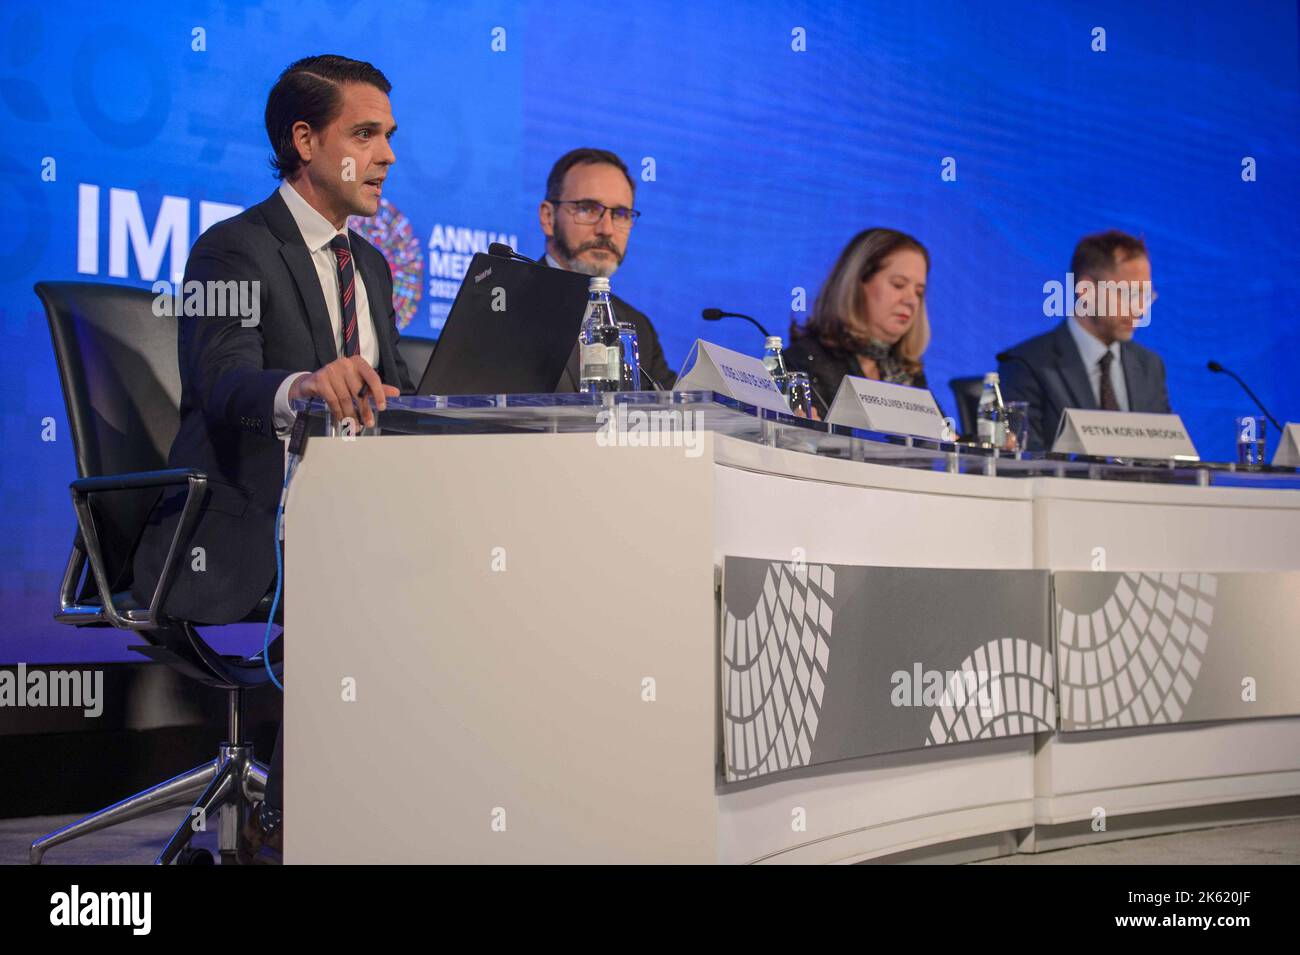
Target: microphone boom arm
{"type": "Point", "coordinates": [1215, 366]}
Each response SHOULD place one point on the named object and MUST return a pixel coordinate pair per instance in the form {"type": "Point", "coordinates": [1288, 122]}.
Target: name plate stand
{"type": "Point", "coordinates": [880, 406]}
{"type": "Point", "coordinates": [1287, 454]}
{"type": "Point", "coordinates": [745, 378]}
{"type": "Point", "coordinates": [1124, 434]}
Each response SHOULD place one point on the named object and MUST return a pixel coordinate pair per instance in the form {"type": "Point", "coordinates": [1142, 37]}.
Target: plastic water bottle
{"type": "Point", "coordinates": [599, 353]}
{"type": "Point", "coordinates": [991, 417]}
{"type": "Point", "coordinates": [774, 363]}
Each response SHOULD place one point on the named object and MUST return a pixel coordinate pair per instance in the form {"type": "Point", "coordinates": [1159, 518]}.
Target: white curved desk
{"type": "Point", "coordinates": [510, 643]}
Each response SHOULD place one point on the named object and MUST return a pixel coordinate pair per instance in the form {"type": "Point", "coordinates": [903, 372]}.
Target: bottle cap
{"type": "Point", "coordinates": [991, 378]}
{"type": "Point", "coordinates": [598, 283]}
{"type": "Point", "coordinates": [774, 341]}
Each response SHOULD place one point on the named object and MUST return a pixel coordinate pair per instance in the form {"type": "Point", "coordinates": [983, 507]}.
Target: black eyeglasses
{"type": "Point", "coordinates": [589, 212]}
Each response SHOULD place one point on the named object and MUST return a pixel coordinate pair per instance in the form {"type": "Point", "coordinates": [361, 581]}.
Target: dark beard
{"type": "Point", "coordinates": [569, 255]}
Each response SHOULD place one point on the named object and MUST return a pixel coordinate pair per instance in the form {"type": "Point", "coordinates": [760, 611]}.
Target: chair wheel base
{"type": "Point", "coordinates": [192, 855]}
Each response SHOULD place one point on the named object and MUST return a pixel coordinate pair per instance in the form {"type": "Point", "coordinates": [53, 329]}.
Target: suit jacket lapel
{"type": "Point", "coordinates": [380, 303]}
{"type": "Point", "coordinates": [298, 260]}
{"type": "Point", "coordinates": [1073, 374]}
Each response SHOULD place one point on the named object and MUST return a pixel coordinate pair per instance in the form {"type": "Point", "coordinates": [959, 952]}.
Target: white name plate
{"type": "Point", "coordinates": [745, 378]}
{"type": "Point", "coordinates": [880, 406]}
{"type": "Point", "coordinates": [1124, 434]}
{"type": "Point", "coordinates": [1287, 454]}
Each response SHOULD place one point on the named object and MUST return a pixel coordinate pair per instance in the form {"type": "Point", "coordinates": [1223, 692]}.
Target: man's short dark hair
{"type": "Point", "coordinates": [579, 157]}
{"type": "Point", "coordinates": [1098, 254]}
{"type": "Point", "coordinates": [311, 91]}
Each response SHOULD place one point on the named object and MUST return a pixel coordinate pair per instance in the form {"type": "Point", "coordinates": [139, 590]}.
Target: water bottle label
{"type": "Point", "coordinates": [596, 360]}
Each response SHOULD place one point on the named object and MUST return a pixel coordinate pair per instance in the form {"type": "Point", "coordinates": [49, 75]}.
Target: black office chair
{"type": "Point", "coordinates": [416, 352]}
{"type": "Point", "coordinates": [967, 392]}
{"type": "Point", "coordinates": [121, 385]}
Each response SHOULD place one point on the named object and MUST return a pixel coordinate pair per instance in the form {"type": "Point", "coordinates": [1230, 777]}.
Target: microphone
{"type": "Point", "coordinates": [1215, 367]}
{"type": "Point", "coordinates": [713, 314]}
{"type": "Point", "coordinates": [1006, 356]}
{"type": "Point", "coordinates": [503, 251]}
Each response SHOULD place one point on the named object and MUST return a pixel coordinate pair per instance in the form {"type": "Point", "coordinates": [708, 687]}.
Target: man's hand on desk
{"type": "Point", "coordinates": [339, 383]}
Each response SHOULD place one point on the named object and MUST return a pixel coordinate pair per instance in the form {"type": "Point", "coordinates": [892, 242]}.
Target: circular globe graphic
{"type": "Point", "coordinates": [390, 232]}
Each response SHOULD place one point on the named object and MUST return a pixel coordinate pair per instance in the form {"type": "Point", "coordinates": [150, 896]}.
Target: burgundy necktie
{"type": "Point", "coordinates": [347, 293]}
{"type": "Point", "coordinates": [1108, 400]}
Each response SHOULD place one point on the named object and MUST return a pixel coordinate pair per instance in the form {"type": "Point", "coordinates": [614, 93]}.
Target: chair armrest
{"type": "Point", "coordinates": [82, 488]}
{"type": "Point", "coordinates": [135, 480]}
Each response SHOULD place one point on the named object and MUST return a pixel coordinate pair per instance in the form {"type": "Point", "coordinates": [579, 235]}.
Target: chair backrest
{"type": "Point", "coordinates": [122, 390]}
{"type": "Point", "coordinates": [416, 352]}
{"type": "Point", "coordinates": [967, 391]}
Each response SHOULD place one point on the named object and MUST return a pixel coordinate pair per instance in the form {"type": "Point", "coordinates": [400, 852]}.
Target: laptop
{"type": "Point", "coordinates": [511, 330]}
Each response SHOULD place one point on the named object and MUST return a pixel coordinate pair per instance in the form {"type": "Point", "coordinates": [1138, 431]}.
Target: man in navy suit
{"type": "Point", "coordinates": [1090, 360]}
{"type": "Point", "coordinates": [325, 328]}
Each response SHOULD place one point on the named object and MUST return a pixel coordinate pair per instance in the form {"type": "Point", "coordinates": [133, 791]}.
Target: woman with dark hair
{"type": "Point", "coordinates": [868, 319]}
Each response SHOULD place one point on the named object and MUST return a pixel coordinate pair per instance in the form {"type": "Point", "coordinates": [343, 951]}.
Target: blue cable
{"type": "Point", "coordinates": [279, 573]}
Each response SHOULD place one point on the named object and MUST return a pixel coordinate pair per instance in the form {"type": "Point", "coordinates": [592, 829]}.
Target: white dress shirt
{"type": "Point", "coordinates": [1091, 350]}
{"type": "Point", "coordinates": [317, 232]}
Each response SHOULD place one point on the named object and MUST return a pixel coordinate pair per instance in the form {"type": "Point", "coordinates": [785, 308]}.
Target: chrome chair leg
{"type": "Point", "coordinates": [174, 792]}
{"type": "Point", "coordinates": [255, 781]}
{"type": "Point", "coordinates": [227, 802]}
{"type": "Point", "coordinates": [227, 788]}
{"type": "Point", "coordinates": [238, 802]}
{"type": "Point", "coordinates": [211, 805]}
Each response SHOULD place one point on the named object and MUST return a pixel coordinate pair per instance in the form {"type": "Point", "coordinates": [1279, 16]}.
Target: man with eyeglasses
{"type": "Point", "coordinates": [587, 217]}
{"type": "Point", "coordinates": [1090, 360]}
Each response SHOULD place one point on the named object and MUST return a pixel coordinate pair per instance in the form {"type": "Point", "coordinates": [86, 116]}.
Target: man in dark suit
{"type": "Point", "coordinates": [1090, 360]}
{"type": "Point", "coordinates": [325, 328]}
{"type": "Point", "coordinates": [587, 217]}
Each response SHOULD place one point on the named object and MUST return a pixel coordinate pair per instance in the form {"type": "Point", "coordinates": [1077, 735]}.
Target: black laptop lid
{"type": "Point", "coordinates": [510, 331]}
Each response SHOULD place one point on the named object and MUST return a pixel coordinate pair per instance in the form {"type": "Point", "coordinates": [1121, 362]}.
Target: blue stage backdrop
{"type": "Point", "coordinates": [764, 136]}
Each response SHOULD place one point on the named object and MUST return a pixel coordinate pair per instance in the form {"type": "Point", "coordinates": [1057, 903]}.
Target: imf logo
{"type": "Point", "coordinates": [129, 235]}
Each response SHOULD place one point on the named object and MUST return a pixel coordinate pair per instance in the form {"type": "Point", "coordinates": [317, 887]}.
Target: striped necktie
{"type": "Point", "coordinates": [347, 293]}
{"type": "Point", "coordinates": [1108, 400]}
